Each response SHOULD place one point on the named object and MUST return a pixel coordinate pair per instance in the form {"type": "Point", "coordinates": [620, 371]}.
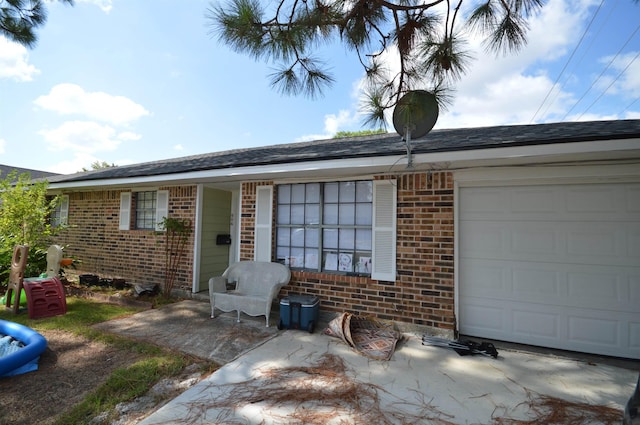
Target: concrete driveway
{"type": "Point", "coordinates": [421, 384]}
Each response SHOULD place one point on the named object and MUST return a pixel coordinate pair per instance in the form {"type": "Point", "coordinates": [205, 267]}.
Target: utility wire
{"type": "Point", "coordinates": [602, 73]}
{"type": "Point", "coordinates": [568, 60]}
{"type": "Point", "coordinates": [629, 105]}
{"type": "Point", "coordinates": [584, 54]}
{"type": "Point", "coordinates": [612, 82]}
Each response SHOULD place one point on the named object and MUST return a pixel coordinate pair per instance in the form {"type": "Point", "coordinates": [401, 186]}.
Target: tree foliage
{"type": "Point", "coordinates": [341, 134]}
{"type": "Point", "coordinates": [428, 37]}
{"type": "Point", "coordinates": [98, 165]}
{"type": "Point", "coordinates": [24, 220]}
{"type": "Point", "coordinates": [19, 20]}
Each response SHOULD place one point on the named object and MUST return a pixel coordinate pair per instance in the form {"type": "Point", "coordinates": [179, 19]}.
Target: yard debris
{"type": "Point", "coordinates": [463, 347]}
{"type": "Point", "coordinates": [548, 410]}
{"type": "Point", "coordinates": [368, 336]}
{"type": "Point", "coordinates": [322, 393]}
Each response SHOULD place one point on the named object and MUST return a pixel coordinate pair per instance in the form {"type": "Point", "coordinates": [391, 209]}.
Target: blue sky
{"type": "Point", "coordinates": [128, 81]}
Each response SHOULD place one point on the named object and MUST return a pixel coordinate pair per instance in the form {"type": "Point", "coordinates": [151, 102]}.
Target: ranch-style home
{"type": "Point", "coordinates": [523, 233]}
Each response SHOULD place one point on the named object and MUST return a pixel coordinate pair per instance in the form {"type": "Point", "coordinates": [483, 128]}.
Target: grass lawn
{"type": "Point", "coordinates": [124, 384]}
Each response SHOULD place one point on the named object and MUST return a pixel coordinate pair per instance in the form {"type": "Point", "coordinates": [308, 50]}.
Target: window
{"type": "Point", "coordinates": [326, 226]}
{"type": "Point", "coordinates": [145, 211]}
{"type": "Point", "coordinates": [147, 207]}
{"type": "Point", "coordinates": [60, 214]}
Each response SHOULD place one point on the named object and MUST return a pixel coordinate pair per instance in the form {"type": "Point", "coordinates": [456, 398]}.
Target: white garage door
{"type": "Point", "coordinates": [552, 265]}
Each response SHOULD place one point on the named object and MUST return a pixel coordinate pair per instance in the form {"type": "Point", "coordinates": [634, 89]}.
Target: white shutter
{"type": "Point", "coordinates": [384, 230]}
{"type": "Point", "coordinates": [162, 207]}
{"type": "Point", "coordinates": [264, 211]}
{"type": "Point", "coordinates": [64, 210]}
{"type": "Point", "coordinates": [125, 210]}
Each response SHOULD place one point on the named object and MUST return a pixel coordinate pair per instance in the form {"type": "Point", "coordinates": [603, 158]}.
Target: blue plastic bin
{"type": "Point", "coordinates": [299, 312]}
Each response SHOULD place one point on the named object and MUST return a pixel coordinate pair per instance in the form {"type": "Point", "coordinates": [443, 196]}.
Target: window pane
{"type": "Point", "coordinates": [331, 192]}
{"type": "Point", "coordinates": [364, 214]}
{"type": "Point", "coordinates": [313, 193]}
{"type": "Point", "coordinates": [364, 191]}
{"type": "Point", "coordinates": [311, 238]}
{"type": "Point", "coordinates": [347, 239]}
{"type": "Point", "coordinates": [347, 214]}
{"type": "Point", "coordinates": [297, 214]}
{"type": "Point", "coordinates": [362, 263]}
{"type": "Point", "coordinates": [283, 238]}
{"type": "Point", "coordinates": [347, 192]}
{"type": "Point", "coordinates": [330, 262]}
{"type": "Point", "coordinates": [311, 259]}
{"type": "Point", "coordinates": [282, 253]}
{"type": "Point", "coordinates": [330, 214]}
{"type": "Point", "coordinates": [363, 239]}
{"type": "Point", "coordinates": [330, 238]}
{"type": "Point", "coordinates": [297, 257]}
{"type": "Point", "coordinates": [297, 237]}
{"type": "Point", "coordinates": [284, 194]}
{"type": "Point", "coordinates": [345, 262]}
{"type": "Point", "coordinates": [297, 194]}
{"type": "Point", "coordinates": [312, 214]}
{"type": "Point", "coordinates": [283, 214]}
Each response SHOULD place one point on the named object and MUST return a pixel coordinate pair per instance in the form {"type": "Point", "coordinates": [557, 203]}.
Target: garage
{"type": "Point", "coordinates": [552, 265]}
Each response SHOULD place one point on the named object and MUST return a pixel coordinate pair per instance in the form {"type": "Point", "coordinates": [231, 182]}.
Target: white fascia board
{"type": "Point", "coordinates": [381, 164]}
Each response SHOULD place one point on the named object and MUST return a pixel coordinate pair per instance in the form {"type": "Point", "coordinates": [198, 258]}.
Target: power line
{"type": "Point", "coordinates": [602, 73]}
{"type": "Point", "coordinates": [584, 54]}
{"type": "Point", "coordinates": [612, 82]}
{"type": "Point", "coordinates": [568, 60]}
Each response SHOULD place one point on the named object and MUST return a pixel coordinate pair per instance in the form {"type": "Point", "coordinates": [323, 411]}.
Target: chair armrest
{"type": "Point", "coordinates": [217, 284]}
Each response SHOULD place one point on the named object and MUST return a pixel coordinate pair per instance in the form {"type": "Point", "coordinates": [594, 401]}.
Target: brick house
{"type": "Point", "coordinates": [526, 233]}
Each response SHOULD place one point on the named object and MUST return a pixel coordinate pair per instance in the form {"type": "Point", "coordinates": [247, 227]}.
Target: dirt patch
{"type": "Point", "coordinates": [69, 369]}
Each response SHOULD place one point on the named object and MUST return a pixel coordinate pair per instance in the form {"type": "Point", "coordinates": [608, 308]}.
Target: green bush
{"type": "Point", "coordinates": [24, 220]}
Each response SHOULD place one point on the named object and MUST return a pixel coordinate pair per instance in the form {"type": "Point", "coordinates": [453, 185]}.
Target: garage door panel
{"type": "Point", "coordinates": [544, 326]}
{"type": "Point", "coordinates": [576, 243]}
{"type": "Point", "coordinates": [593, 330]}
{"type": "Point", "coordinates": [558, 267]}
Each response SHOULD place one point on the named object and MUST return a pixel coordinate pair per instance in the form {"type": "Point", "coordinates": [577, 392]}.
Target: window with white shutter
{"type": "Point", "coordinates": [125, 211]}
{"type": "Point", "coordinates": [60, 214]}
{"type": "Point", "coordinates": [264, 205]}
{"type": "Point", "coordinates": [384, 230]}
{"type": "Point", "coordinates": [162, 208]}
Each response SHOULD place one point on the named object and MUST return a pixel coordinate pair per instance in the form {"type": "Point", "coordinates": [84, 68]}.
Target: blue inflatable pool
{"type": "Point", "coordinates": [22, 347]}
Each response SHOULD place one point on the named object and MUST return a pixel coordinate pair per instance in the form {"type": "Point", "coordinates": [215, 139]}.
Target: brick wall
{"type": "Point", "coordinates": [138, 256]}
{"type": "Point", "coordinates": [423, 293]}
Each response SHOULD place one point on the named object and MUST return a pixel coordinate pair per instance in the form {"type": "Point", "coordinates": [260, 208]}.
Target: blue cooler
{"type": "Point", "coordinates": [299, 312]}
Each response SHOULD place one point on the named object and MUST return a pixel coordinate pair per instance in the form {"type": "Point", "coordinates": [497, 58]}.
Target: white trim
{"type": "Point", "coordinates": [575, 152]}
{"type": "Point", "coordinates": [63, 218]}
{"type": "Point", "coordinates": [124, 218]}
{"type": "Point", "coordinates": [510, 176]}
{"type": "Point", "coordinates": [262, 226]}
{"type": "Point", "coordinates": [383, 230]}
{"type": "Point", "coordinates": [234, 227]}
{"type": "Point", "coordinates": [197, 236]}
{"type": "Point", "coordinates": [162, 208]}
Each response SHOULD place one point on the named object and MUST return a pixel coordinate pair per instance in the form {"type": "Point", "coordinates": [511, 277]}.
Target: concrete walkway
{"type": "Point", "coordinates": [421, 384]}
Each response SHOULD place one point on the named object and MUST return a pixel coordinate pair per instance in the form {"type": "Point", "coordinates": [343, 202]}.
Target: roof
{"type": "Point", "coordinates": [379, 145]}
{"type": "Point", "coordinates": [5, 170]}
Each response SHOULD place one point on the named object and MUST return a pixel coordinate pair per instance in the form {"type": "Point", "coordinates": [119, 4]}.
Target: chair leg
{"type": "Point", "coordinates": [238, 316]}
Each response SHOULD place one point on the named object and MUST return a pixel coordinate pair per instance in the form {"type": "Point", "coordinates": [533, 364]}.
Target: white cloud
{"type": "Point", "coordinates": [510, 89]}
{"type": "Point", "coordinates": [14, 62]}
{"type": "Point", "coordinates": [3, 143]}
{"type": "Point", "coordinates": [178, 147]}
{"type": "Point", "coordinates": [68, 99]}
{"type": "Point", "coordinates": [85, 137]}
{"type": "Point", "coordinates": [104, 5]}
